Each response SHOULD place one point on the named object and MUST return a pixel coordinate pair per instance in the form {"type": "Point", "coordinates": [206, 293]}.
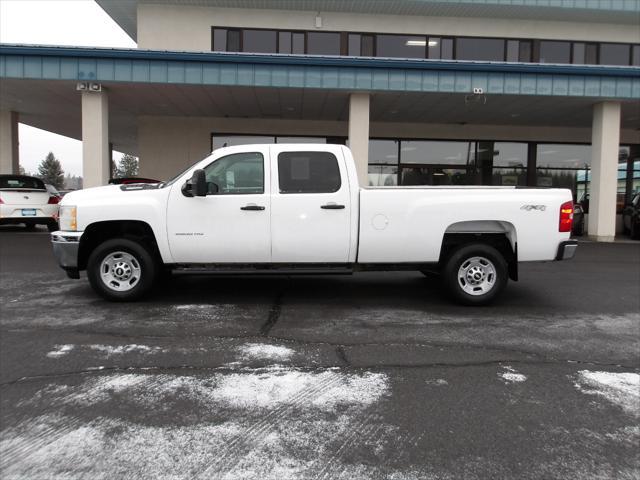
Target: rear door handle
{"type": "Point", "coordinates": [332, 206]}
{"type": "Point", "coordinates": [252, 206]}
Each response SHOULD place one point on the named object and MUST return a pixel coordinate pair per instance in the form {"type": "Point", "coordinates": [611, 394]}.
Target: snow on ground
{"type": "Point", "coordinates": [108, 350]}
{"type": "Point", "coordinates": [510, 375]}
{"type": "Point", "coordinates": [260, 351]}
{"type": "Point", "coordinates": [253, 424]}
{"type": "Point", "coordinates": [623, 389]}
{"type": "Point", "coordinates": [59, 351]}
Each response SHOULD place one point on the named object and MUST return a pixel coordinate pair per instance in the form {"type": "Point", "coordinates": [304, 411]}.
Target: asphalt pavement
{"type": "Point", "coordinates": [370, 376]}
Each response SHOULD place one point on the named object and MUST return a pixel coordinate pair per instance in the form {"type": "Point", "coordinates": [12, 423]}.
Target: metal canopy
{"type": "Point", "coordinates": [317, 72]}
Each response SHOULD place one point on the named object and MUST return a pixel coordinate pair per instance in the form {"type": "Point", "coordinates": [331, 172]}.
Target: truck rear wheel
{"type": "Point", "coordinates": [475, 274]}
{"type": "Point", "coordinates": [121, 270]}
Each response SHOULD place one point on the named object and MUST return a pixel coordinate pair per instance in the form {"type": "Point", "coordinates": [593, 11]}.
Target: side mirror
{"type": "Point", "coordinates": [199, 184]}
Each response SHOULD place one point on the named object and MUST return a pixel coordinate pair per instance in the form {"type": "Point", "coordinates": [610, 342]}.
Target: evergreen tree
{"type": "Point", "coordinates": [50, 171]}
{"type": "Point", "coordinates": [127, 166]}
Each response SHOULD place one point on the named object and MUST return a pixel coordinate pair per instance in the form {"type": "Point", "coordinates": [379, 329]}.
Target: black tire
{"type": "Point", "coordinates": [635, 230]}
{"type": "Point", "coordinates": [493, 275]}
{"type": "Point", "coordinates": [29, 227]}
{"type": "Point", "coordinates": [52, 227]}
{"type": "Point", "coordinates": [142, 260]}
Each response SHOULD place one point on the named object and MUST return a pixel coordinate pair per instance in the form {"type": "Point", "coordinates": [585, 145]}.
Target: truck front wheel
{"type": "Point", "coordinates": [475, 274]}
{"type": "Point", "coordinates": [121, 270]}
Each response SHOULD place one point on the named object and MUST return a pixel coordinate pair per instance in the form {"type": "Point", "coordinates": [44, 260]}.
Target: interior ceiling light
{"type": "Point", "coordinates": [421, 43]}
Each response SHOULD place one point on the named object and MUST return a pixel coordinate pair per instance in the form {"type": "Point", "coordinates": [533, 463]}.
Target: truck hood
{"type": "Point", "coordinates": [107, 192]}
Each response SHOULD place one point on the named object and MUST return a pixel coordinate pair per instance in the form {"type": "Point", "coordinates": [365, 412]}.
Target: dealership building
{"type": "Point", "coordinates": [542, 93]}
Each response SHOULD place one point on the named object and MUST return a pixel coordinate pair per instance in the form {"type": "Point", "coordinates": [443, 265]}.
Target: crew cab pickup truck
{"type": "Point", "coordinates": [298, 209]}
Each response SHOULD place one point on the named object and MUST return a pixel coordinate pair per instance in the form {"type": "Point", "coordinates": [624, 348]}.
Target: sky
{"type": "Point", "coordinates": [57, 22]}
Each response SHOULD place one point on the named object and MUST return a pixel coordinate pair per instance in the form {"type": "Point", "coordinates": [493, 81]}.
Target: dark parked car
{"type": "Point", "coordinates": [631, 218]}
{"type": "Point", "coordinates": [128, 180]}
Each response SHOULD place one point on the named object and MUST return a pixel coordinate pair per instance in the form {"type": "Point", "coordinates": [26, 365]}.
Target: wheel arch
{"type": "Point", "coordinates": [99, 232]}
{"type": "Point", "coordinates": [498, 234]}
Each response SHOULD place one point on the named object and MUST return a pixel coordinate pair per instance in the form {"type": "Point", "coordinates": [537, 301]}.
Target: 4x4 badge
{"type": "Point", "coordinates": [528, 208]}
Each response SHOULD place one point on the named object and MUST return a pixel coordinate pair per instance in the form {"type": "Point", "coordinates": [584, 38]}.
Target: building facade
{"type": "Point", "coordinates": [450, 92]}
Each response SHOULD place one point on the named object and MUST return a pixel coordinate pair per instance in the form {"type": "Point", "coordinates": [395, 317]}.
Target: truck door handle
{"type": "Point", "coordinates": [252, 206]}
{"type": "Point", "coordinates": [332, 206]}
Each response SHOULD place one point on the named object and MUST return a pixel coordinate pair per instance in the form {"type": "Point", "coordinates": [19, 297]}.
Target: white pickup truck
{"type": "Point", "coordinates": [298, 209]}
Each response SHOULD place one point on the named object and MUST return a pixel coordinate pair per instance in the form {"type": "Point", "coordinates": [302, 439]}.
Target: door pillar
{"type": "Point", "coordinates": [605, 144]}
{"type": "Point", "coordinates": [96, 163]}
{"type": "Point", "coordinates": [359, 134]}
{"type": "Point", "coordinates": [9, 153]}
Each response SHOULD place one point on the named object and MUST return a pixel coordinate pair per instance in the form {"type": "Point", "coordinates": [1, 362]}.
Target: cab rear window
{"type": "Point", "coordinates": [30, 183]}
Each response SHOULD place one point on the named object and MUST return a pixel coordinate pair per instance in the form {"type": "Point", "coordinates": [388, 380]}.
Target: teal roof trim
{"type": "Point", "coordinates": [300, 71]}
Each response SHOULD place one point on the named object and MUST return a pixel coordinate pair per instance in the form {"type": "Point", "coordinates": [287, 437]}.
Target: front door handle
{"type": "Point", "coordinates": [332, 206]}
{"type": "Point", "coordinates": [252, 206]}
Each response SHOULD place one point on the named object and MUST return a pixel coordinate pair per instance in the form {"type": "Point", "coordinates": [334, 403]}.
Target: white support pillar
{"type": "Point", "coordinates": [9, 153]}
{"type": "Point", "coordinates": [605, 142]}
{"type": "Point", "coordinates": [359, 134]}
{"type": "Point", "coordinates": [95, 139]}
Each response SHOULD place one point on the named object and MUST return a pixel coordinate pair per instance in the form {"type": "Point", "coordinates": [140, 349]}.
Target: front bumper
{"type": "Point", "coordinates": [567, 250]}
{"type": "Point", "coordinates": [65, 248]}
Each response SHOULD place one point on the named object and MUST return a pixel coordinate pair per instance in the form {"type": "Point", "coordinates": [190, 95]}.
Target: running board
{"type": "Point", "coordinates": [288, 269]}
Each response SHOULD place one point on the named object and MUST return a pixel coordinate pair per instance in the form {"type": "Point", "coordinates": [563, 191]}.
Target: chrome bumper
{"type": "Point", "coordinates": [65, 248]}
{"type": "Point", "coordinates": [567, 250]}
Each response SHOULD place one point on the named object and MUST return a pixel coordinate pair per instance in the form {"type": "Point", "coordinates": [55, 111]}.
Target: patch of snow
{"type": "Point", "coordinates": [438, 381]}
{"type": "Point", "coordinates": [512, 376]}
{"type": "Point", "coordinates": [121, 349]}
{"type": "Point", "coordinates": [191, 307]}
{"type": "Point", "coordinates": [261, 351]}
{"type": "Point", "coordinates": [60, 350]}
{"type": "Point", "coordinates": [254, 444]}
{"type": "Point", "coordinates": [623, 389]}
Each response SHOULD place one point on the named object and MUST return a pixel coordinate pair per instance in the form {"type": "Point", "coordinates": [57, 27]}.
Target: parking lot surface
{"type": "Point", "coordinates": [371, 376]}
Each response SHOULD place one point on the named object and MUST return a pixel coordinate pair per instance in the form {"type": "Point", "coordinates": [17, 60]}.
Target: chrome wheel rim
{"type": "Point", "coordinates": [477, 276]}
{"type": "Point", "coordinates": [120, 271]}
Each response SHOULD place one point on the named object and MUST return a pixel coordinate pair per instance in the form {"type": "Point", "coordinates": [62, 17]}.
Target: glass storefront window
{"type": "Point", "coordinates": [383, 151]}
{"type": "Point", "coordinates": [219, 39]}
{"type": "Point", "coordinates": [323, 43]}
{"type": "Point", "coordinates": [490, 49]}
{"type": "Point", "coordinates": [259, 41]}
{"type": "Point", "coordinates": [403, 46]}
{"type": "Point", "coordinates": [301, 140]}
{"type": "Point", "coordinates": [509, 177]}
{"type": "Point", "coordinates": [555, 52]}
{"type": "Point", "coordinates": [435, 152]}
{"type": "Point", "coordinates": [433, 175]}
{"type": "Point", "coordinates": [383, 176]}
{"type": "Point", "coordinates": [220, 141]}
{"type": "Point", "coordinates": [550, 155]}
{"type": "Point", "coordinates": [614, 54]}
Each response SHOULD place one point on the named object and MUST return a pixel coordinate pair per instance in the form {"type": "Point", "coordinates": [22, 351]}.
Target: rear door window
{"type": "Point", "coordinates": [308, 172]}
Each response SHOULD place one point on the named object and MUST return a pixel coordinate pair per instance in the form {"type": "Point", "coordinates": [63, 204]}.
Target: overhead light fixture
{"type": "Point", "coordinates": [421, 43]}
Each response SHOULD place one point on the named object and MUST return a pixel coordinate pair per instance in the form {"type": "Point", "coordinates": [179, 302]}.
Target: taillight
{"type": "Point", "coordinates": [566, 217]}
{"type": "Point", "coordinates": [54, 200]}
{"type": "Point", "coordinates": [1, 201]}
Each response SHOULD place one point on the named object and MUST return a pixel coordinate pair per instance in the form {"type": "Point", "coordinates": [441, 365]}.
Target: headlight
{"type": "Point", "coordinates": [68, 219]}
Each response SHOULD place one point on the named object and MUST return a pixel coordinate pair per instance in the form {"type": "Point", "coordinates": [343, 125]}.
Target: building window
{"type": "Point", "coordinates": [226, 40]}
{"type": "Point", "coordinates": [488, 49]}
{"type": "Point", "coordinates": [614, 54]}
{"type": "Point", "coordinates": [635, 56]}
{"type": "Point", "coordinates": [308, 172]}
{"type": "Point", "coordinates": [323, 43]}
{"type": "Point", "coordinates": [585, 53]}
{"type": "Point", "coordinates": [440, 48]}
{"type": "Point", "coordinates": [360, 45]}
{"type": "Point", "coordinates": [518, 51]}
{"type": "Point", "coordinates": [555, 52]}
{"type": "Point", "coordinates": [558, 165]}
{"type": "Point", "coordinates": [401, 46]}
{"type": "Point", "coordinates": [259, 41]}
